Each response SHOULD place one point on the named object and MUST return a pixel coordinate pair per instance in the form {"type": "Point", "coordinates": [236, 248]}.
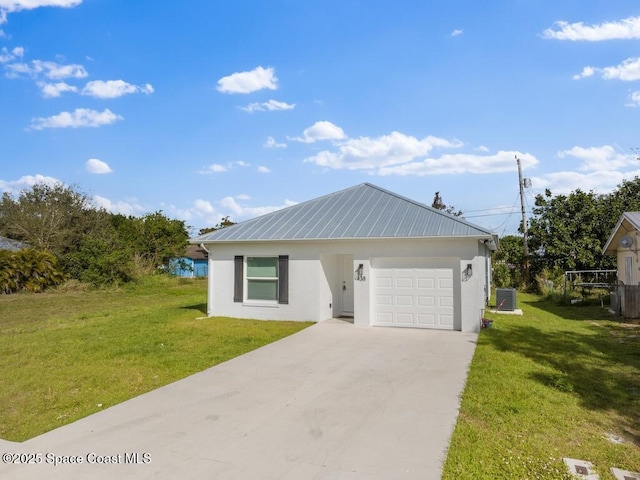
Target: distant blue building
{"type": "Point", "coordinates": [195, 264]}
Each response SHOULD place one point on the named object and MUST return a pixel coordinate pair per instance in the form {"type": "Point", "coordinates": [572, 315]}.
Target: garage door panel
{"type": "Point", "coordinates": [445, 282]}
{"type": "Point", "coordinates": [426, 283]}
{"type": "Point", "coordinates": [419, 297]}
{"type": "Point", "coordinates": [384, 300]}
{"type": "Point", "coordinates": [405, 318]}
{"type": "Point", "coordinates": [445, 301]}
{"type": "Point", "coordinates": [426, 320]}
{"type": "Point", "coordinates": [404, 300]}
{"type": "Point", "coordinates": [426, 301]}
{"type": "Point", "coordinates": [404, 282]}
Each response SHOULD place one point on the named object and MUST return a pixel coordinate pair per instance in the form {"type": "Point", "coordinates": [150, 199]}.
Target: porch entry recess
{"type": "Point", "coordinates": [346, 285]}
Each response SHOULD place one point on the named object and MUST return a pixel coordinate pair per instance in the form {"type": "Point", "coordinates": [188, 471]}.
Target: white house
{"type": "Point", "coordinates": [362, 252]}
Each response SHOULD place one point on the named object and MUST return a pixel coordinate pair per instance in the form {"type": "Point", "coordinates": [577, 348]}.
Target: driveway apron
{"type": "Point", "coordinates": [334, 401]}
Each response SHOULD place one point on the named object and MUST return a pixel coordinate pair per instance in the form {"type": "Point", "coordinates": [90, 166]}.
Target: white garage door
{"type": "Point", "coordinates": [414, 297]}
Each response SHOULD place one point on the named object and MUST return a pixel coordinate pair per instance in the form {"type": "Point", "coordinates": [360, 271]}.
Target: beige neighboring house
{"type": "Point", "coordinates": [624, 243]}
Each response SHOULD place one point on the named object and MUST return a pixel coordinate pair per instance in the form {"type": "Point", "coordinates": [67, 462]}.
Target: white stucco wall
{"type": "Point", "coordinates": [315, 269]}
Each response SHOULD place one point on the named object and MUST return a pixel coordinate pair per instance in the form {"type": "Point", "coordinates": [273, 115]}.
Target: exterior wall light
{"type": "Point", "coordinates": [359, 273]}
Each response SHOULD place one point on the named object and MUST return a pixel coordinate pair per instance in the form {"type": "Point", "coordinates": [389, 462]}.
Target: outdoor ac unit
{"type": "Point", "coordinates": [506, 299]}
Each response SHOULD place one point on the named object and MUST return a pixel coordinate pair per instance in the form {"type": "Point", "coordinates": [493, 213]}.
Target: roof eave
{"type": "Point", "coordinates": [489, 237]}
{"type": "Point", "coordinates": [607, 249]}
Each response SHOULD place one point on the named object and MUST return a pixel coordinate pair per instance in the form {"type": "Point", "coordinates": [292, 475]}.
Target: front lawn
{"type": "Point", "coordinates": [65, 355]}
{"type": "Point", "coordinates": [560, 381]}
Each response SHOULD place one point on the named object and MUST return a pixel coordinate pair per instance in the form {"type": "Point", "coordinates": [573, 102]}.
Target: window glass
{"type": "Point", "coordinates": [262, 278]}
{"type": "Point", "coordinates": [262, 289]}
{"type": "Point", "coordinates": [262, 267]}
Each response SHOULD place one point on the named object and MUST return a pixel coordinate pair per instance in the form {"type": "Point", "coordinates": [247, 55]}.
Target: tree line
{"type": "Point", "coordinates": [566, 232]}
{"type": "Point", "coordinates": [75, 239]}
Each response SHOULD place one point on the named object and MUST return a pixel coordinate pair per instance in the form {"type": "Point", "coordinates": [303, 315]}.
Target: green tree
{"type": "Point", "coordinates": [47, 217]}
{"type": "Point", "coordinates": [566, 232]}
{"type": "Point", "coordinates": [625, 198]}
{"type": "Point", "coordinates": [224, 222]}
{"type": "Point", "coordinates": [160, 238]}
{"type": "Point", "coordinates": [507, 262]}
{"type": "Point", "coordinates": [438, 204]}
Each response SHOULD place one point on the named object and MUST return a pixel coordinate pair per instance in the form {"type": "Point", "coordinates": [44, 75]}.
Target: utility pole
{"type": "Point", "coordinates": [524, 224]}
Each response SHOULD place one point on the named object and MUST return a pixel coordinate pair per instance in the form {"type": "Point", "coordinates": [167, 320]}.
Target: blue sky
{"type": "Point", "coordinates": [204, 109]}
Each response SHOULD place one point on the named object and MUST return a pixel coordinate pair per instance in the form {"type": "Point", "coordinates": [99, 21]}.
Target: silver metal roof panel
{"type": "Point", "coordinates": [362, 211]}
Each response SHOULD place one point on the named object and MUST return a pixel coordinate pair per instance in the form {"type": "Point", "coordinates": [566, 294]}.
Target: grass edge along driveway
{"type": "Point", "coordinates": [66, 355]}
{"type": "Point", "coordinates": [559, 381]}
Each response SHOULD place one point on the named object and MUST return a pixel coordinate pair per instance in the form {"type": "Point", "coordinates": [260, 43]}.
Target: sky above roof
{"type": "Point", "coordinates": [208, 109]}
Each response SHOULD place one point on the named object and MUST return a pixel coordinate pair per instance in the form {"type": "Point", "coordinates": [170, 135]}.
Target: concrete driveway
{"type": "Point", "coordinates": [333, 401]}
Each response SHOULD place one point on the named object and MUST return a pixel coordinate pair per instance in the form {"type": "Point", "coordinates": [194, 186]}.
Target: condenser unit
{"type": "Point", "coordinates": [506, 299]}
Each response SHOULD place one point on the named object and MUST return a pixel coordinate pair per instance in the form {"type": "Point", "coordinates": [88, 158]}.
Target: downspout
{"type": "Point", "coordinates": [209, 280]}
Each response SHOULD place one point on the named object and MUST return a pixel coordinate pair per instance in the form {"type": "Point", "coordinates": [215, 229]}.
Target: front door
{"type": "Point", "coordinates": [347, 284]}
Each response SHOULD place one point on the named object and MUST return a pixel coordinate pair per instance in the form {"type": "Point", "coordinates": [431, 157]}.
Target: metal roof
{"type": "Point", "coordinates": [12, 245]}
{"type": "Point", "coordinates": [359, 212]}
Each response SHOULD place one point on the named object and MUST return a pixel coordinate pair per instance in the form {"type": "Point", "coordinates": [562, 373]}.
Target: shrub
{"type": "Point", "coordinates": [29, 270]}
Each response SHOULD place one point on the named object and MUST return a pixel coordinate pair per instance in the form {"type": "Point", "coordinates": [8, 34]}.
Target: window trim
{"type": "Point", "coordinates": [247, 278]}
{"type": "Point", "coordinates": [240, 281]}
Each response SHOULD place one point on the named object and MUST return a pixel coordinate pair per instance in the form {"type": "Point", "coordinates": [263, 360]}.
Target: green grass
{"type": "Point", "coordinates": [66, 354]}
{"type": "Point", "coordinates": [556, 382]}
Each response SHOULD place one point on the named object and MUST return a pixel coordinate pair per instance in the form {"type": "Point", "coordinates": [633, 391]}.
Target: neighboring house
{"type": "Point", "coordinates": [11, 245]}
{"type": "Point", "coordinates": [193, 265]}
{"type": "Point", "coordinates": [363, 252]}
{"type": "Point", "coordinates": [623, 243]}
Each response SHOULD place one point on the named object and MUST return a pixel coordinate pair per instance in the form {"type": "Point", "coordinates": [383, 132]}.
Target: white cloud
{"type": "Point", "coordinates": [455, 164]}
{"type": "Point", "coordinates": [8, 56]}
{"type": "Point", "coordinates": [209, 213]}
{"type": "Point", "coordinates": [271, 106]}
{"type": "Point", "coordinates": [204, 206]}
{"type": "Point", "coordinates": [27, 181]}
{"type": "Point", "coordinates": [596, 159]}
{"type": "Point", "coordinates": [366, 153]}
{"type": "Point", "coordinates": [586, 73]}
{"type": "Point", "coordinates": [80, 117]}
{"type": "Point", "coordinates": [321, 130]}
{"type": "Point", "coordinates": [241, 212]}
{"type": "Point", "coordinates": [565, 182]}
{"type": "Point", "coordinates": [635, 99]}
{"type": "Point", "coordinates": [51, 70]}
{"type": "Point", "coordinates": [10, 6]}
{"type": "Point", "coordinates": [93, 165]}
{"type": "Point", "coordinates": [457, 32]}
{"type": "Point", "coordinates": [483, 149]}
{"type": "Point", "coordinates": [130, 207]}
{"type": "Point", "coordinates": [271, 143]}
{"type": "Point", "coordinates": [219, 168]}
{"type": "Point", "coordinates": [214, 168]}
{"type": "Point", "coordinates": [600, 170]}
{"type": "Point", "coordinates": [113, 88]}
{"type": "Point", "coordinates": [628, 28]}
{"type": "Point", "coordinates": [248, 82]}
{"type": "Point", "coordinates": [628, 70]}
{"type": "Point", "coordinates": [263, 169]}
{"type": "Point", "coordinates": [17, 5]}
{"type": "Point", "coordinates": [54, 90]}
